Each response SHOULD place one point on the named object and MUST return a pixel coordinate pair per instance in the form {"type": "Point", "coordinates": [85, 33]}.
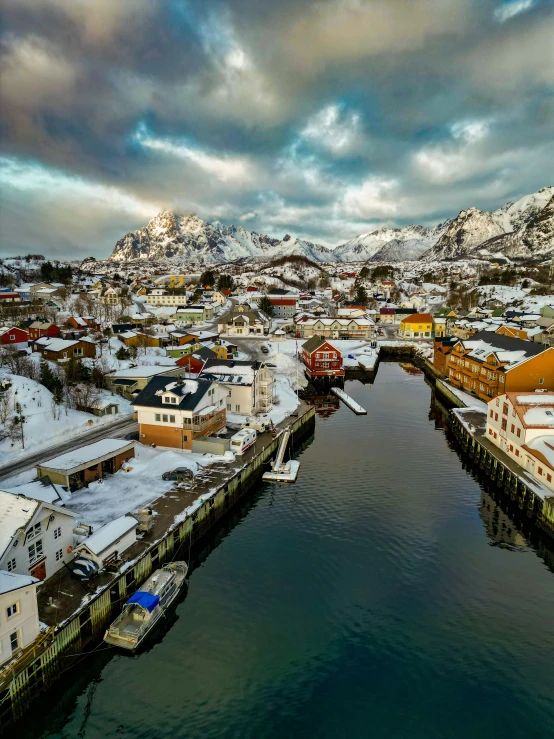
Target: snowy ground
{"type": "Point", "coordinates": [124, 492]}
{"type": "Point", "coordinates": [46, 422]}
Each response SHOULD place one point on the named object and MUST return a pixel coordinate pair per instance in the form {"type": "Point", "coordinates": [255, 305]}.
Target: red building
{"type": "Point", "coordinates": [10, 297]}
{"type": "Point", "coordinates": [321, 359]}
{"type": "Point", "coordinates": [38, 329]}
{"type": "Point", "coordinates": [13, 336]}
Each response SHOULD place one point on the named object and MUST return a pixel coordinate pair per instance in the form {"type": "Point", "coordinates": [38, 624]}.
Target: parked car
{"type": "Point", "coordinates": [179, 474]}
{"type": "Point", "coordinates": [264, 349]}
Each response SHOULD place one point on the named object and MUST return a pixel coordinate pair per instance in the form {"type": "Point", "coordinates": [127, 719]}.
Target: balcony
{"type": "Point", "coordinates": [201, 423]}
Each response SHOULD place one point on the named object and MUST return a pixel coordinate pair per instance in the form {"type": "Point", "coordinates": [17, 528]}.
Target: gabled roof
{"type": "Point", "coordinates": [418, 318]}
{"type": "Point", "coordinates": [191, 393]}
{"type": "Point", "coordinates": [314, 343]}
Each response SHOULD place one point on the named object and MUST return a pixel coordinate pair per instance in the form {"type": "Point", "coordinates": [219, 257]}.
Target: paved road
{"type": "Point", "coordinates": [117, 430]}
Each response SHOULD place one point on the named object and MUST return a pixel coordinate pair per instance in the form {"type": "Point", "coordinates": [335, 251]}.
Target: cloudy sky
{"type": "Point", "coordinates": [320, 119]}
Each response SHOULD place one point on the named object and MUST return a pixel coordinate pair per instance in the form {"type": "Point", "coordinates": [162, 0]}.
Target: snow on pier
{"type": "Point", "coordinates": [350, 402]}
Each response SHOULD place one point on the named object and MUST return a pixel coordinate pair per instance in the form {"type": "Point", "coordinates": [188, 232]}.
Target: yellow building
{"type": "Point", "coordinates": [416, 326]}
{"type": "Point", "coordinates": [439, 326]}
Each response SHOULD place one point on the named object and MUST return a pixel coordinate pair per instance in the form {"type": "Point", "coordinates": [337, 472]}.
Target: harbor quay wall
{"type": "Point", "coordinates": [65, 644]}
{"type": "Point", "coordinates": [539, 510]}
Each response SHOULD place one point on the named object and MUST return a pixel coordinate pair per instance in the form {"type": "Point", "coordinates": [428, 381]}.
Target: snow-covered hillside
{"type": "Point", "coordinates": [401, 243]}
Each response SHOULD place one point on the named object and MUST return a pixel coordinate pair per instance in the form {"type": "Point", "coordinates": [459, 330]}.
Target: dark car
{"type": "Point", "coordinates": [179, 474]}
{"type": "Point", "coordinates": [264, 349]}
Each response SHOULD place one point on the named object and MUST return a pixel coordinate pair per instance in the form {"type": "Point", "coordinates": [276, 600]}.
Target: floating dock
{"type": "Point", "coordinates": [350, 402]}
{"type": "Point", "coordinates": [287, 473]}
{"type": "Point", "coordinates": [282, 471]}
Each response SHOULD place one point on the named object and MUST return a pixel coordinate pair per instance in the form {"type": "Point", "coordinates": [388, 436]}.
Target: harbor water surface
{"type": "Point", "coordinates": [367, 600]}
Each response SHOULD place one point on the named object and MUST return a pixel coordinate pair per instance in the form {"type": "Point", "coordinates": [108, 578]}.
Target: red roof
{"type": "Point", "coordinates": [9, 295]}
{"type": "Point", "coordinates": [283, 301]}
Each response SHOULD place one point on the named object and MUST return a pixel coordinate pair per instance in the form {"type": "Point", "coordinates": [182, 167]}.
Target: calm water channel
{"type": "Point", "coordinates": [367, 600]}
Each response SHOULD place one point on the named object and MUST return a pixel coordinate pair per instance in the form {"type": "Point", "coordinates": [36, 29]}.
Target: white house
{"type": "Point", "coordinates": [522, 425]}
{"type": "Point", "coordinates": [243, 321]}
{"type": "Point", "coordinates": [19, 624]}
{"type": "Point", "coordinates": [36, 537]}
{"type": "Point", "coordinates": [249, 385]}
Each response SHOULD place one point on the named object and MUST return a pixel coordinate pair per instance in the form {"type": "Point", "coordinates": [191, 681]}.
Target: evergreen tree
{"type": "Point", "coordinates": [364, 273]}
{"type": "Point", "coordinates": [122, 353]}
{"type": "Point", "coordinates": [207, 278]}
{"type": "Point", "coordinates": [46, 376]}
{"type": "Point", "coordinates": [265, 305]}
{"type": "Point", "coordinates": [225, 282]}
{"type": "Point", "coordinates": [361, 295]}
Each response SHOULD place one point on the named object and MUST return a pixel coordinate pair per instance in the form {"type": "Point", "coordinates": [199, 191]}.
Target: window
{"type": "Point", "coordinates": [158, 417]}
{"type": "Point", "coordinates": [504, 424]}
{"type": "Point", "coordinates": [495, 434]}
{"type": "Point", "coordinates": [173, 400]}
{"type": "Point", "coordinates": [491, 414]}
{"type": "Point", "coordinates": [12, 610]}
{"type": "Point", "coordinates": [512, 428]}
{"type": "Point", "coordinates": [59, 555]}
{"type": "Point", "coordinates": [57, 532]}
{"type": "Point", "coordinates": [541, 380]}
{"type": "Point", "coordinates": [490, 432]}
{"type": "Point", "coordinates": [164, 417]}
{"type": "Point", "coordinates": [549, 478]}
{"type": "Point", "coordinates": [185, 437]}
{"type": "Point", "coordinates": [517, 452]}
{"type": "Point", "coordinates": [237, 408]}
{"type": "Point", "coordinates": [519, 432]}
{"type": "Point", "coordinates": [501, 378]}
{"type": "Point", "coordinates": [171, 419]}
{"type": "Point", "coordinates": [35, 551]}
{"type": "Point", "coordinates": [511, 447]}
{"type": "Point", "coordinates": [33, 532]}
{"type": "Point", "coordinates": [505, 409]}
{"type": "Point", "coordinates": [539, 470]}
{"type": "Point", "coordinates": [14, 641]}
{"type": "Point", "coordinates": [497, 402]}
{"type": "Point", "coordinates": [11, 565]}
{"type": "Point", "coordinates": [495, 415]}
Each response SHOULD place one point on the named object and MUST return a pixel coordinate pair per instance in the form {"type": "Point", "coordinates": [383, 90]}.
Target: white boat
{"type": "Point", "coordinates": [146, 607]}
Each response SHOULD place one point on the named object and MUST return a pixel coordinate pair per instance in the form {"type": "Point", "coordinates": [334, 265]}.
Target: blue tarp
{"type": "Point", "coordinates": [146, 600]}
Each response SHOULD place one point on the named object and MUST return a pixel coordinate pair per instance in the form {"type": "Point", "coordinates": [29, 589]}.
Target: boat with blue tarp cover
{"type": "Point", "coordinates": [143, 609]}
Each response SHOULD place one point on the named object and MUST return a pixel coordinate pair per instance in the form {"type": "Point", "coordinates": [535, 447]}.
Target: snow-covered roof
{"type": "Point", "coordinates": [540, 416]}
{"type": "Point", "coordinates": [108, 534]}
{"type": "Point", "coordinates": [56, 345]}
{"type": "Point", "coordinates": [544, 445]}
{"type": "Point", "coordinates": [88, 454]}
{"type": "Point", "coordinates": [145, 370]}
{"type": "Point", "coordinates": [11, 581]}
{"type": "Point", "coordinates": [15, 512]}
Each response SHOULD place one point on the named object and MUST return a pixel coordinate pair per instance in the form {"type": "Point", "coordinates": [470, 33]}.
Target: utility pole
{"type": "Point", "coordinates": [21, 419]}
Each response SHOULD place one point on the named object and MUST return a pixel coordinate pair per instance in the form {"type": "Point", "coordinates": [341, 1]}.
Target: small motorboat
{"type": "Point", "coordinates": [144, 608]}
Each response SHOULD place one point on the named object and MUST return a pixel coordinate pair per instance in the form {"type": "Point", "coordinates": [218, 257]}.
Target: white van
{"type": "Point", "coordinates": [242, 440]}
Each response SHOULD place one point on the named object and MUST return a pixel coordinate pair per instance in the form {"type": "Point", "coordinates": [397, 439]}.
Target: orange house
{"type": "Point", "coordinates": [514, 332]}
{"type": "Point", "coordinates": [490, 364]}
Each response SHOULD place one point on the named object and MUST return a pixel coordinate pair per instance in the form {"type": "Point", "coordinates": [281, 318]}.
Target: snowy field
{"type": "Point", "coordinates": [46, 422]}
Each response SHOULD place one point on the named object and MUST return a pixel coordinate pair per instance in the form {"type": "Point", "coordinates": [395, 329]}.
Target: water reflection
{"type": "Point", "coordinates": [325, 405]}
{"type": "Point", "coordinates": [500, 528]}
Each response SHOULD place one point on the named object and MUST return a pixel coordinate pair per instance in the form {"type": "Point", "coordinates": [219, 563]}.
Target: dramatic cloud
{"type": "Point", "coordinates": [322, 119]}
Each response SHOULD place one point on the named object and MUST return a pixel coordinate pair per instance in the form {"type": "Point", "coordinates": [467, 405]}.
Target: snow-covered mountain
{"type": "Point", "coordinates": [189, 238]}
{"type": "Point", "coordinates": [414, 239]}
{"type": "Point", "coordinates": [534, 238]}
{"type": "Point", "coordinates": [472, 228]}
{"type": "Point", "coordinates": [519, 229]}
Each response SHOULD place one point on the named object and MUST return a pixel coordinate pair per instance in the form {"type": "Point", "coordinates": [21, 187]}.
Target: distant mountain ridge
{"type": "Point", "coordinates": [521, 229]}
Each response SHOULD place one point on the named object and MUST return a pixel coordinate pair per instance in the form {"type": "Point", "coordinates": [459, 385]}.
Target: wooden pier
{"type": "Point", "coordinates": [350, 402]}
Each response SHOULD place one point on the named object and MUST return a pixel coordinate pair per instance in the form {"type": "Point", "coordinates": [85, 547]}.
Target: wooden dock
{"type": "Point", "coordinates": [350, 402]}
